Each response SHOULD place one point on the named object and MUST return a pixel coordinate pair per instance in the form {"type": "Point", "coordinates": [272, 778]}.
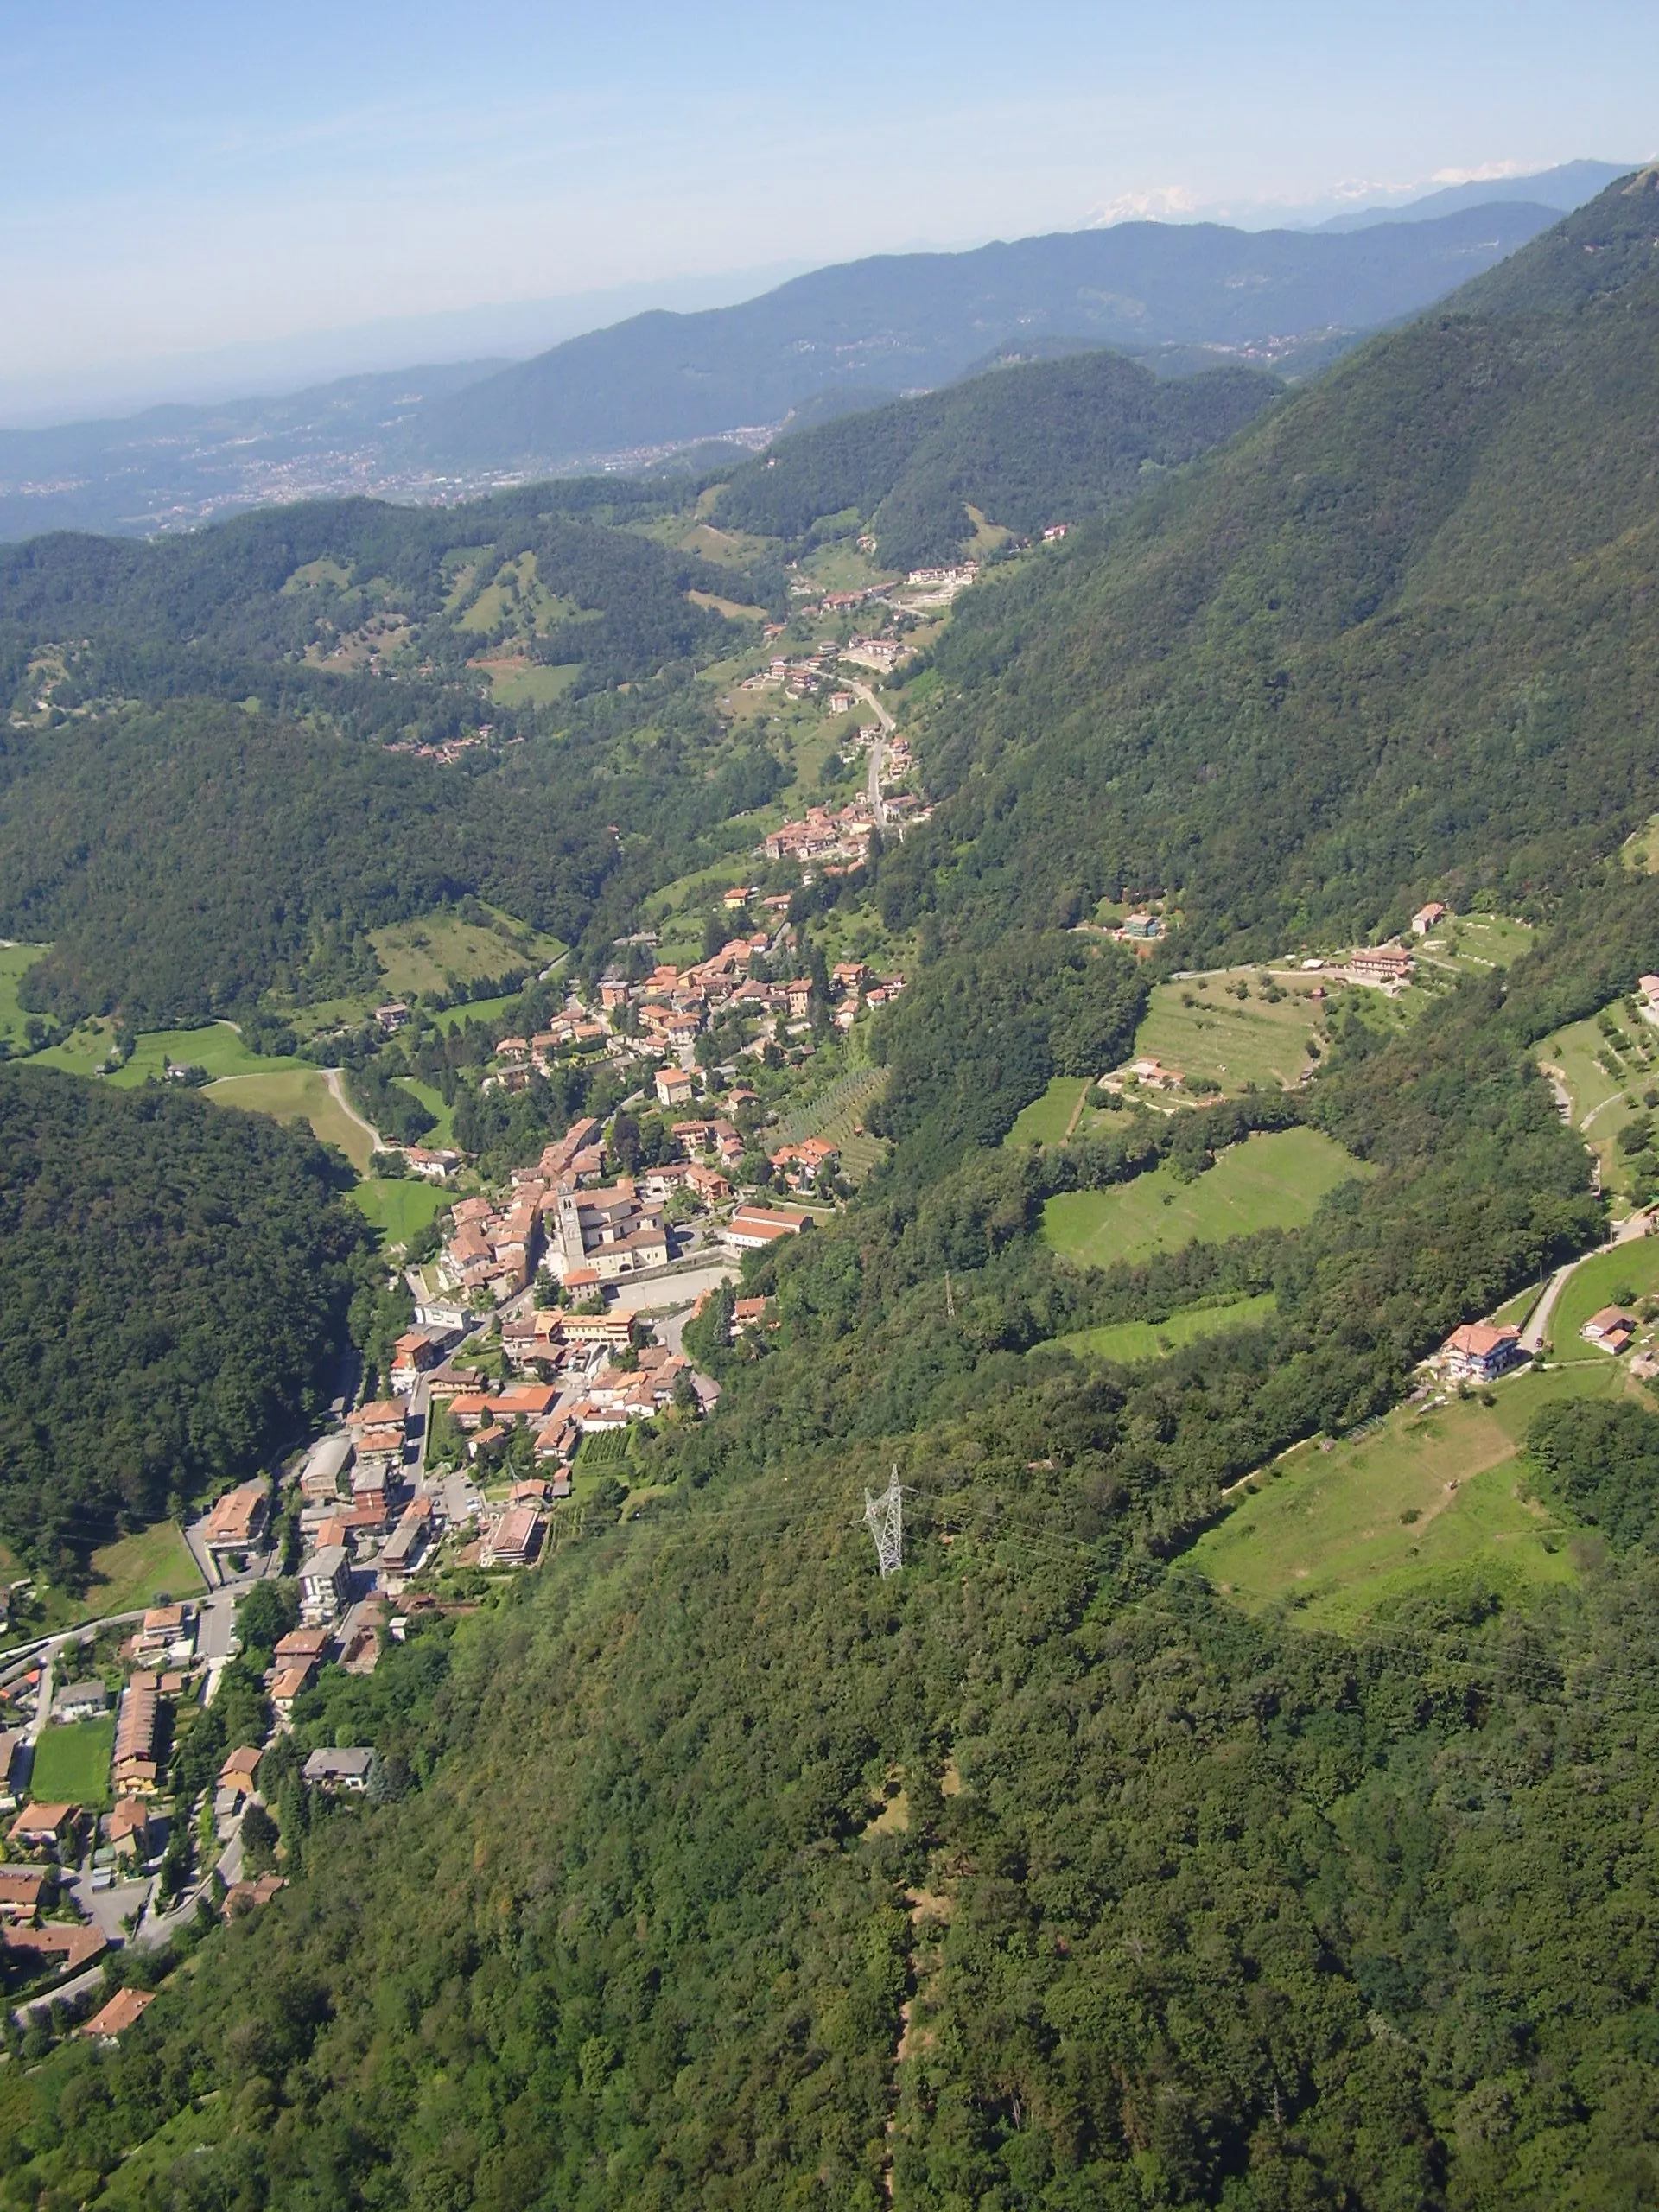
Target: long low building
{"type": "Point", "coordinates": [752, 1227]}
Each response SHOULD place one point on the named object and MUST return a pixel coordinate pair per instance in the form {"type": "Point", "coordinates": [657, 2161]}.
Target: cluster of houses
{"type": "Point", "coordinates": [824, 834]}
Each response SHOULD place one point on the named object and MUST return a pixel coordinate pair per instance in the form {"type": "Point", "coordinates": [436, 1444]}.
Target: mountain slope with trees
{"type": "Point", "coordinates": [1028, 445]}
{"type": "Point", "coordinates": [1397, 639]}
{"type": "Point", "coordinates": [908, 320]}
{"type": "Point", "coordinates": [174, 1282]}
{"type": "Point", "coordinates": [707, 1868]}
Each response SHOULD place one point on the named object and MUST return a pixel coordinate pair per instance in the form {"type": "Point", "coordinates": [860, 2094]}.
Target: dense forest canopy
{"type": "Point", "coordinates": [1028, 445]}
{"type": "Point", "coordinates": [184, 862]}
{"type": "Point", "coordinates": [173, 1280]}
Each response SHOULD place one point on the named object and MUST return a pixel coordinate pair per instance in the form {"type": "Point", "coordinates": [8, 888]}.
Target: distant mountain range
{"type": "Point", "coordinates": [1563, 188]}
{"type": "Point", "coordinates": [1183, 296]}
{"type": "Point", "coordinates": [914, 322]}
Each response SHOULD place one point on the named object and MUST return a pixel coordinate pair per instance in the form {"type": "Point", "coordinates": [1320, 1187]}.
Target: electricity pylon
{"type": "Point", "coordinates": [884, 1517]}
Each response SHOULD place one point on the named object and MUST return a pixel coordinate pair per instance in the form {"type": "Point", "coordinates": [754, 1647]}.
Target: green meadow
{"type": "Point", "coordinates": [1273, 1181]}
{"type": "Point", "coordinates": [1127, 1341]}
{"type": "Point", "coordinates": [401, 1207]}
{"type": "Point", "coordinates": [1428, 1496]}
{"type": "Point", "coordinates": [1631, 1269]}
{"type": "Point", "coordinates": [71, 1765]}
{"type": "Point", "coordinates": [1199, 1026]}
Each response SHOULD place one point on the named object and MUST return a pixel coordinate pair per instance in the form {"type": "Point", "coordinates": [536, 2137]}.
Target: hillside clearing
{"type": "Point", "coordinates": [1326, 1532]}
{"type": "Point", "coordinates": [1274, 1181]}
{"type": "Point", "coordinates": [1047, 1119]}
{"type": "Point", "coordinates": [1231, 1041]}
{"type": "Point", "coordinates": [1631, 1268]}
{"type": "Point", "coordinates": [1127, 1341]}
{"type": "Point", "coordinates": [400, 1208]}
{"type": "Point", "coordinates": [298, 1094]}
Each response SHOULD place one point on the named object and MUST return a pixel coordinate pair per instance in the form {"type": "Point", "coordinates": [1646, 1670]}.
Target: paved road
{"type": "Point", "coordinates": [887, 726]}
{"type": "Point", "coordinates": [1537, 1323]}
{"type": "Point", "coordinates": [1627, 1231]}
{"type": "Point", "coordinates": [43, 1702]}
{"type": "Point", "coordinates": [93, 1978]}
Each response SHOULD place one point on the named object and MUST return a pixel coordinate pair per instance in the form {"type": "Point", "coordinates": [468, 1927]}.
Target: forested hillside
{"type": "Point", "coordinates": [1028, 445]}
{"type": "Point", "coordinates": [907, 322]}
{"type": "Point", "coordinates": [183, 863]}
{"type": "Point", "coordinates": [271, 588]}
{"type": "Point", "coordinates": [703, 1867]}
{"type": "Point", "coordinates": [1077, 1888]}
{"type": "Point", "coordinates": [173, 1281]}
{"type": "Point", "coordinates": [1397, 639]}
{"type": "Point", "coordinates": [199, 802]}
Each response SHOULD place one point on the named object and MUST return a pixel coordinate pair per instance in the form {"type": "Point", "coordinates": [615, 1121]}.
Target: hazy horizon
{"type": "Point", "coordinates": [197, 208]}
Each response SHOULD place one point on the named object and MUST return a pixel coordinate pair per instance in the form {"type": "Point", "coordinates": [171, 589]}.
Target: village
{"type": "Point", "coordinates": [546, 1334]}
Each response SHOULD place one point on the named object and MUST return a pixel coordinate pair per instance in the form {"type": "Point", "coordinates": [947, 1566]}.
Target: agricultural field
{"type": "Point", "coordinates": [1048, 1120]}
{"type": "Point", "coordinates": [1202, 1029]}
{"type": "Point", "coordinates": [1274, 1181]}
{"type": "Point", "coordinates": [294, 1093]}
{"type": "Point", "coordinates": [1629, 1271]}
{"type": "Point", "coordinates": [1064, 1110]}
{"type": "Point", "coordinates": [1128, 1341]}
{"type": "Point", "coordinates": [734, 610]}
{"type": "Point", "coordinates": [527, 684]}
{"type": "Point", "coordinates": [1472, 943]}
{"type": "Point", "coordinates": [218, 1048]}
{"type": "Point", "coordinates": [399, 1206]}
{"type": "Point", "coordinates": [1427, 1497]}
{"type": "Point", "coordinates": [71, 1765]}
{"type": "Point", "coordinates": [846, 1128]}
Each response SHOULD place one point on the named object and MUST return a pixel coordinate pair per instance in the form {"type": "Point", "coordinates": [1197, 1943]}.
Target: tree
{"type": "Point", "coordinates": [260, 1837]}
{"type": "Point", "coordinates": [264, 1614]}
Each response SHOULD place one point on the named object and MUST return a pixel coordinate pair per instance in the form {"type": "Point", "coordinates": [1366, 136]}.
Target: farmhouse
{"type": "Point", "coordinates": [1611, 1328]}
{"type": "Point", "coordinates": [1386, 966]}
{"type": "Point", "coordinates": [1479, 1353]}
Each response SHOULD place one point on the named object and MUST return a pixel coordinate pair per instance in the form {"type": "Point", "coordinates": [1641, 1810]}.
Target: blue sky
{"type": "Point", "coordinates": [185, 177]}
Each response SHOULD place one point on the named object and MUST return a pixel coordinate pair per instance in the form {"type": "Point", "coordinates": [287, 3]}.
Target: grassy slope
{"type": "Point", "coordinates": [1232, 1041]}
{"type": "Point", "coordinates": [1325, 1533]}
{"type": "Point", "coordinates": [1047, 1119]}
{"type": "Point", "coordinates": [14, 959]}
{"type": "Point", "coordinates": [1136, 1340]}
{"type": "Point", "coordinates": [399, 1207]}
{"type": "Point", "coordinates": [1271, 1182]}
{"type": "Point", "coordinates": [1633, 1267]}
{"type": "Point", "coordinates": [296, 1094]}
{"type": "Point", "coordinates": [1602, 1081]}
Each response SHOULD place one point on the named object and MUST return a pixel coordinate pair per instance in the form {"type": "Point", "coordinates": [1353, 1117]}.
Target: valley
{"type": "Point", "coordinates": [1050, 973]}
